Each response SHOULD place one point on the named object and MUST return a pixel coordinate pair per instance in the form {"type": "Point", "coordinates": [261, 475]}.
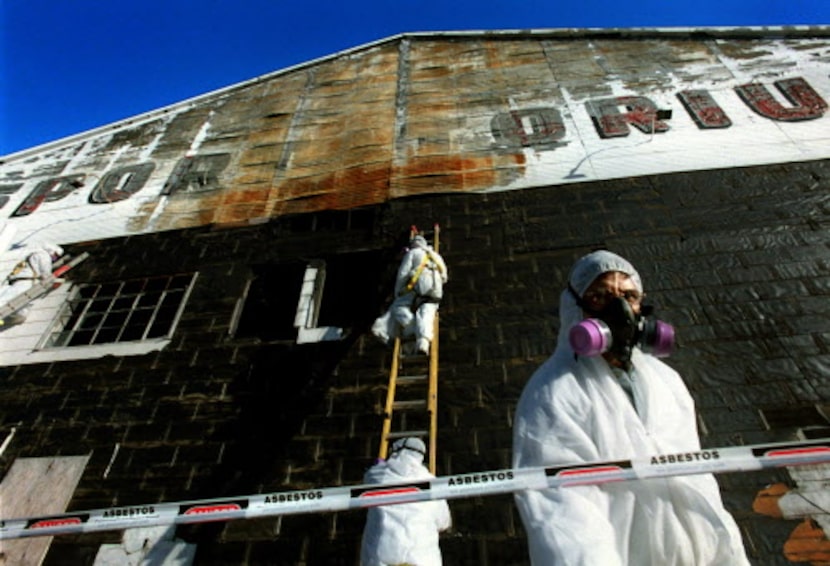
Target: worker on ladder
{"type": "Point", "coordinates": [37, 266]}
{"type": "Point", "coordinates": [419, 287]}
{"type": "Point", "coordinates": [407, 533]}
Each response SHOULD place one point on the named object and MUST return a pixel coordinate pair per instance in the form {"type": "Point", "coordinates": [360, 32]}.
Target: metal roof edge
{"type": "Point", "coordinates": [789, 31]}
{"type": "Point", "coordinates": [782, 31]}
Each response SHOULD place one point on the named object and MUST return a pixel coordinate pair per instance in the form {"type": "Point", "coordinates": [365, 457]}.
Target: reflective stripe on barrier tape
{"type": "Point", "coordinates": [709, 460]}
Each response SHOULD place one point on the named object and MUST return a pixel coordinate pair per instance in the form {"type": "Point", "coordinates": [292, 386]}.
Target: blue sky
{"type": "Point", "coordinates": [67, 66]}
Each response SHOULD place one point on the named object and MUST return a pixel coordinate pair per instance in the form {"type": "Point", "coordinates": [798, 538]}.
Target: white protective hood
{"type": "Point", "coordinates": [573, 410]}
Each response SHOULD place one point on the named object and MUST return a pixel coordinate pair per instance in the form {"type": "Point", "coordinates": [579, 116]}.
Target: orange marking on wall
{"type": "Point", "coordinates": [766, 502]}
{"type": "Point", "coordinates": [807, 542]}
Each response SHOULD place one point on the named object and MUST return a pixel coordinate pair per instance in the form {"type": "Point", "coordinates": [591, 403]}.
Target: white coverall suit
{"type": "Point", "coordinates": [36, 266]}
{"type": "Point", "coordinates": [419, 287]}
{"type": "Point", "coordinates": [405, 533]}
{"type": "Point", "coordinates": [575, 410]}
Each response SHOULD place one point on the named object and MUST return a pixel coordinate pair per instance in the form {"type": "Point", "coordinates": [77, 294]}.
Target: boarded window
{"type": "Point", "coordinates": [37, 487]}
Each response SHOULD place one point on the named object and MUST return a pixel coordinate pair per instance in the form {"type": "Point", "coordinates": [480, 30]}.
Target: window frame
{"type": "Point", "coordinates": [57, 330]}
{"type": "Point", "coordinates": [309, 304]}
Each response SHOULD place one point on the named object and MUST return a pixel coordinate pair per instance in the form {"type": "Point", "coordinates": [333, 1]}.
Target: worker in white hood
{"type": "Point", "coordinates": [604, 399]}
{"type": "Point", "coordinates": [37, 266]}
{"type": "Point", "coordinates": [406, 533]}
{"type": "Point", "coordinates": [419, 288]}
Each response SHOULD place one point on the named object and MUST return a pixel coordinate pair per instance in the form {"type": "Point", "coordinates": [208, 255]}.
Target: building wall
{"type": "Point", "coordinates": [736, 259]}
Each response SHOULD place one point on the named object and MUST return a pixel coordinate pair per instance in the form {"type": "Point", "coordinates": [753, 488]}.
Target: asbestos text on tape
{"type": "Point", "coordinates": [328, 499]}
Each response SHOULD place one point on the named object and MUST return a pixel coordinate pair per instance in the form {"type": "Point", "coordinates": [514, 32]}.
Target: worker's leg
{"type": "Point", "coordinates": [384, 327]}
{"type": "Point", "coordinates": [425, 325]}
{"type": "Point", "coordinates": [401, 310]}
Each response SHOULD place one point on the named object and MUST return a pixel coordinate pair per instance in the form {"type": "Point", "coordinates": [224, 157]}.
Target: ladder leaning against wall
{"type": "Point", "coordinates": [41, 287]}
{"type": "Point", "coordinates": [412, 394]}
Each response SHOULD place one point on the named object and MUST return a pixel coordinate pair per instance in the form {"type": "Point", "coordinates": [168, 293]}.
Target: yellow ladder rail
{"type": "Point", "coordinates": [432, 399]}
{"type": "Point", "coordinates": [390, 399]}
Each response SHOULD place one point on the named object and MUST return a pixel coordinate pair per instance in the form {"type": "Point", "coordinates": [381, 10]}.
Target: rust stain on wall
{"type": "Point", "coordinates": [336, 191]}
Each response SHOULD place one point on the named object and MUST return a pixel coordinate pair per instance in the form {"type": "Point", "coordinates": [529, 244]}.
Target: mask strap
{"type": "Point", "coordinates": [579, 302]}
{"type": "Point", "coordinates": [407, 447]}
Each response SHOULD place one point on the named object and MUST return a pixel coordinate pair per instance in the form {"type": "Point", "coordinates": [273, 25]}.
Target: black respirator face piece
{"type": "Point", "coordinates": [623, 323]}
{"type": "Point", "coordinates": [617, 329]}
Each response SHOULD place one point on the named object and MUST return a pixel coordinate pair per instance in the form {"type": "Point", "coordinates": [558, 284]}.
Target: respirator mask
{"type": "Point", "coordinates": [618, 329]}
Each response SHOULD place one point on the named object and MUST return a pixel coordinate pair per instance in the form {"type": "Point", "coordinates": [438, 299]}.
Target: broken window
{"type": "Point", "coordinates": [310, 301]}
{"type": "Point", "coordinates": [122, 311]}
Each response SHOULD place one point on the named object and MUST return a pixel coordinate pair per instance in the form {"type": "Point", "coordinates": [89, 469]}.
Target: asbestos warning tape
{"type": "Point", "coordinates": [712, 460]}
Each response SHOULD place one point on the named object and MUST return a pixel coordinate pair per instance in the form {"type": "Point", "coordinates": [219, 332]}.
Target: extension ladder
{"type": "Point", "coordinates": [412, 393]}
{"type": "Point", "coordinates": [40, 288]}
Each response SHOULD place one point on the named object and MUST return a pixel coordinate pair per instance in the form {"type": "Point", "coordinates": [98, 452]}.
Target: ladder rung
{"type": "Point", "coordinates": [413, 356]}
{"type": "Point", "coordinates": [414, 404]}
{"type": "Point", "coordinates": [406, 433]}
{"type": "Point", "coordinates": [404, 379]}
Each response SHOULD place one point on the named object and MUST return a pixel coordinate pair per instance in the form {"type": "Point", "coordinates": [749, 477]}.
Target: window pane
{"type": "Point", "coordinates": [157, 284]}
{"type": "Point", "coordinates": [172, 298]}
{"type": "Point", "coordinates": [124, 303]}
{"type": "Point", "coordinates": [81, 338]}
{"type": "Point", "coordinates": [106, 335]}
{"type": "Point", "coordinates": [140, 317]}
{"type": "Point", "coordinates": [91, 321]}
{"type": "Point", "coordinates": [88, 291]}
{"type": "Point", "coordinates": [180, 281]}
{"type": "Point", "coordinates": [133, 287]}
{"type": "Point", "coordinates": [162, 322]}
{"type": "Point", "coordinates": [100, 305]}
{"type": "Point", "coordinates": [73, 314]}
{"type": "Point", "coordinates": [130, 333]}
{"type": "Point", "coordinates": [59, 339]}
{"type": "Point", "coordinates": [149, 299]}
{"type": "Point", "coordinates": [109, 289]}
{"type": "Point", "coordinates": [116, 319]}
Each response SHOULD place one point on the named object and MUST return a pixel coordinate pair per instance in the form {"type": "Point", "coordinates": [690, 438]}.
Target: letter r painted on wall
{"type": "Point", "coordinates": [610, 122]}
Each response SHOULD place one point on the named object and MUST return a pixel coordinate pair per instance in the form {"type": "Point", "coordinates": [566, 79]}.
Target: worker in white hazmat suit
{"type": "Point", "coordinates": [37, 266]}
{"type": "Point", "coordinates": [406, 533]}
{"type": "Point", "coordinates": [419, 288]}
{"type": "Point", "coordinates": [615, 402]}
